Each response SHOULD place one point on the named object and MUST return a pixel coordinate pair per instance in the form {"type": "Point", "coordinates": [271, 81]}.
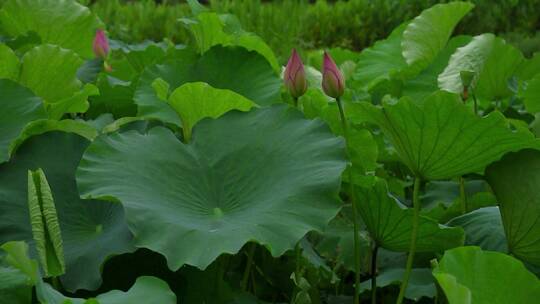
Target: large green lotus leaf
{"type": "Point", "coordinates": [439, 137]}
{"type": "Point", "coordinates": [62, 22]}
{"type": "Point", "coordinates": [91, 230]}
{"type": "Point", "coordinates": [19, 107]}
{"type": "Point", "coordinates": [382, 60]}
{"type": "Point", "coordinates": [492, 61]}
{"type": "Point", "coordinates": [390, 223]}
{"type": "Point", "coordinates": [151, 289]}
{"type": "Point", "coordinates": [236, 69]}
{"type": "Point", "coordinates": [516, 183]}
{"type": "Point", "coordinates": [274, 177]}
{"type": "Point", "coordinates": [425, 83]}
{"type": "Point", "coordinates": [9, 63]}
{"type": "Point", "coordinates": [469, 275]}
{"type": "Point", "coordinates": [18, 273]}
{"type": "Point", "coordinates": [483, 227]}
{"type": "Point", "coordinates": [363, 149]}
{"type": "Point", "coordinates": [198, 100]}
{"type": "Point", "coordinates": [210, 29]}
{"type": "Point", "coordinates": [531, 95]}
{"type": "Point", "coordinates": [427, 34]}
{"type": "Point", "coordinates": [51, 72]}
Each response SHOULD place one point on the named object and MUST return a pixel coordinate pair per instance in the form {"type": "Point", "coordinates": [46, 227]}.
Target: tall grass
{"type": "Point", "coordinates": [284, 24]}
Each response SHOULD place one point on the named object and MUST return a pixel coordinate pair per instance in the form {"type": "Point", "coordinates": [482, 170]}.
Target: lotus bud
{"type": "Point", "coordinates": [295, 76]}
{"type": "Point", "coordinates": [101, 45]}
{"type": "Point", "coordinates": [333, 83]}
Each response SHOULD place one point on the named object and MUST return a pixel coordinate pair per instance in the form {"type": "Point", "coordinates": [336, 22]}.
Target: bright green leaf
{"type": "Point", "coordinates": [62, 22]}
{"type": "Point", "coordinates": [425, 83]}
{"type": "Point", "coordinates": [18, 273]}
{"type": "Point", "coordinates": [51, 72]}
{"type": "Point", "coordinates": [531, 95]}
{"type": "Point", "coordinates": [427, 34]}
{"type": "Point", "coordinates": [195, 101]}
{"type": "Point", "coordinates": [382, 60]}
{"type": "Point", "coordinates": [17, 257]}
{"type": "Point", "coordinates": [493, 62]}
{"type": "Point", "coordinates": [470, 275]}
{"type": "Point", "coordinates": [161, 88]}
{"type": "Point", "coordinates": [529, 67]}
{"type": "Point", "coordinates": [9, 63]}
{"type": "Point", "coordinates": [77, 103]}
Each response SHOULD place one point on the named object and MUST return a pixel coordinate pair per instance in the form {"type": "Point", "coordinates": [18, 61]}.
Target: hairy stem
{"type": "Point", "coordinates": [412, 249]}
{"type": "Point", "coordinates": [354, 203]}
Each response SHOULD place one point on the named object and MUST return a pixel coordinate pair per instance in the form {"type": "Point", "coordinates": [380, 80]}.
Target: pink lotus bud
{"type": "Point", "coordinates": [333, 83]}
{"type": "Point", "coordinates": [101, 45]}
{"type": "Point", "coordinates": [295, 76]}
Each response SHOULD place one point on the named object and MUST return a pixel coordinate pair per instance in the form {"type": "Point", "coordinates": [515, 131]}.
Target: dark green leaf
{"type": "Point", "coordinates": [516, 183]}
{"type": "Point", "coordinates": [390, 223]}
{"type": "Point", "coordinates": [91, 230]}
{"type": "Point", "coordinates": [19, 107]}
{"type": "Point", "coordinates": [235, 69]}
{"type": "Point", "coordinates": [439, 137]}
{"type": "Point", "coordinates": [274, 177]}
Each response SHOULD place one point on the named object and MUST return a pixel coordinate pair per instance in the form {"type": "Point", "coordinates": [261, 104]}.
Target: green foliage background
{"type": "Point", "coordinates": [285, 24]}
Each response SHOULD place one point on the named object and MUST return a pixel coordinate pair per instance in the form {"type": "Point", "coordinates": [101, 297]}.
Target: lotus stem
{"type": "Point", "coordinates": [357, 260]}
{"type": "Point", "coordinates": [247, 270]}
{"type": "Point", "coordinates": [374, 274]}
{"type": "Point", "coordinates": [462, 195]}
{"type": "Point", "coordinates": [414, 234]}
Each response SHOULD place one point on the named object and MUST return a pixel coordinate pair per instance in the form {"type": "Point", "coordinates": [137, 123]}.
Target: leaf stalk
{"type": "Point", "coordinates": [354, 203]}
{"type": "Point", "coordinates": [414, 234]}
